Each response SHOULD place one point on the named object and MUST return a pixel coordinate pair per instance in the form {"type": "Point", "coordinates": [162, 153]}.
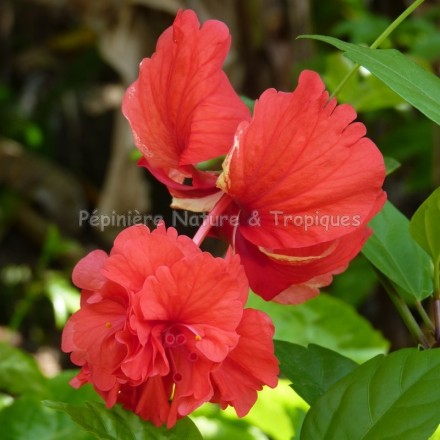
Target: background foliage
{"type": "Point", "coordinates": [64, 147]}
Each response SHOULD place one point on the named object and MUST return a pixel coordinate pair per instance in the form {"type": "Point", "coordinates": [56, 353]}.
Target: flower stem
{"type": "Point", "coordinates": [210, 220]}
{"type": "Point", "coordinates": [407, 317]}
{"type": "Point", "coordinates": [425, 318]}
{"type": "Point", "coordinates": [379, 40]}
{"type": "Point", "coordinates": [404, 311]}
{"type": "Point", "coordinates": [437, 279]}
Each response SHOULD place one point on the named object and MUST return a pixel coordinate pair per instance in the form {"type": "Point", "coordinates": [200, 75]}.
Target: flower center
{"type": "Point", "coordinates": [174, 338]}
{"type": "Point", "coordinates": [178, 352]}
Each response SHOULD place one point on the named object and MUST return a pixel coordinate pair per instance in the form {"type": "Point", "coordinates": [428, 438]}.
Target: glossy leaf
{"type": "Point", "coordinates": [325, 321]}
{"type": "Point", "coordinates": [281, 404]}
{"type": "Point", "coordinates": [392, 397]}
{"type": "Point", "coordinates": [313, 369]}
{"type": "Point", "coordinates": [118, 424]}
{"type": "Point", "coordinates": [393, 252]}
{"type": "Point", "coordinates": [425, 225]}
{"type": "Point", "coordinates": [414, 84]}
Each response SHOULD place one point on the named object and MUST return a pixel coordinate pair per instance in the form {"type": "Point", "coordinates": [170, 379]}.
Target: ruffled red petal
{"type": "Point", "coordinates": [182, 108]}
{"type": "Point", "coordinates": [249, 366]}
{"type": "Point", "coordinates": [300, 160]}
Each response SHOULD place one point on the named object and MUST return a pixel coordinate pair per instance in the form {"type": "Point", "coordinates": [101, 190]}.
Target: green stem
{"type": "Point", "coordinates": [404, 311]}
{"type": "Point", "coordinates": [437, 279]}
{"type": "Point", "coordinates": [379, 40]}
{"type": "Point", "coordinates": [437, 319]}
{"type": "Point", "coordinates": [425, 318]}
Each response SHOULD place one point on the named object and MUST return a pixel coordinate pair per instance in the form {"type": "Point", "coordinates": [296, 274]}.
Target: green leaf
{"type": "Point", "coordinates": [224, 428]}
{"type": "Point", "coordinates": [366, 92]}
{"type": "Point", "coordinates": [392, 397]}
{"type": "Point", "coordinates": [278, 412]}
{"type": "Point", "coordinates": [312, 370]}
{"type": "Point", "coordinates": [277, 415]}
{"type": "Point", "coordinates": [28, 419]}
{"type": "Point", "coordinates": [19, 372]}
{"type": "Point", "coordinates": [119, 424]}
{"type": "Point", "coordinates": [215, 424]}
{"type": "Point", "coordinates": [417, 86]}
{"type": "Point", "coordinates": [425, 225]}
{"type": "Point", "coordinates": [250, 103]}
{"type": "Point", "coordinates": [134, 155]}
{"type": "Point", "coordinates": [391, 165]}
{"type": "Point", "coordinates": [325, 321]}
{"type": "Point", "coordinates": [392, 250]}
{"type": "Point", "coordinates": [436, 435]}
{"type": "Point", "coordinates": [60, 389]}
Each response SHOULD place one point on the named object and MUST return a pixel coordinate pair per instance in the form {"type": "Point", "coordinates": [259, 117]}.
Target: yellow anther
{"type": "Point", "coordinates": [108, 324]}
{"type": "Point", "coordinates": [198, 338]}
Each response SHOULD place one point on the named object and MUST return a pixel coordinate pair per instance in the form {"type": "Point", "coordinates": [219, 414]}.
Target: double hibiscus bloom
{"type": "Point", "coordinates": [162, 326]}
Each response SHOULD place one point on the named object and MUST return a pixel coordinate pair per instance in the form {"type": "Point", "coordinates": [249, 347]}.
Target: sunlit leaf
{"type": "Point", "coordinates": [277, 414]}
{"type": "Point", "coordinates": [436, 435]}
{"type": "Point", "coordinates": [392, 397]}
{"type": "Point", "coordinates": [224, 428]}
{"type": "Point", "coordinates": [5, 400]}
{"type": "Point", "coordinates": [63, 296]}
{"type": "Point", "coordinates": [325, 321]}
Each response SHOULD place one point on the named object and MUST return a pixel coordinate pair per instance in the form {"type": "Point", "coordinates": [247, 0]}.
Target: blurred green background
{"type": "Point", "coordinates": [65, 149]}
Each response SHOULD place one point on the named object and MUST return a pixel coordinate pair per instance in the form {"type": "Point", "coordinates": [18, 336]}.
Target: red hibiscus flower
{"type": "Point", "coordinates": [303, 182]}
{"type": "Point", "coordinates": [183, 110]}
{"type": "Point", "coordinates": [162, 329]}
{"type": "Point", "coordinates": [300, 176]}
